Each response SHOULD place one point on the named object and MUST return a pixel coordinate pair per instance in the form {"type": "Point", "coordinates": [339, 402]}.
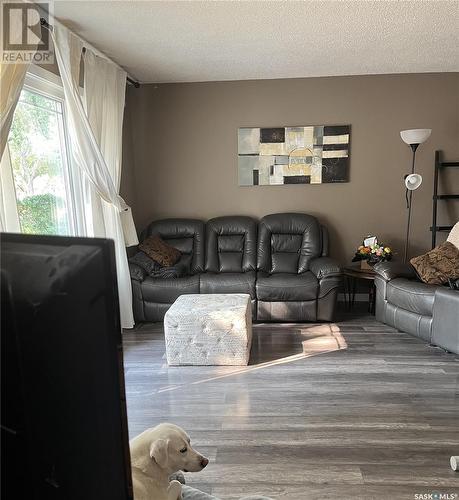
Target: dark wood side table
{"type": "Point", "coordinates": [352, 274]}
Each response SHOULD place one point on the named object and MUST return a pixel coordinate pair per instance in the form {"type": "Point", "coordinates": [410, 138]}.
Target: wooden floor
{"type": "Point", "coordinates": [349, 410]}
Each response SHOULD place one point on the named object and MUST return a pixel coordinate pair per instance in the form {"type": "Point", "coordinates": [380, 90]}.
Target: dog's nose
{"type": "Point", "coordinates": [204, 462]}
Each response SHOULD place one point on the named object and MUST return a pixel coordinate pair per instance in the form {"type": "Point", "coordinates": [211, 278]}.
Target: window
{"type": "Point", "coordinates": [47, 188]}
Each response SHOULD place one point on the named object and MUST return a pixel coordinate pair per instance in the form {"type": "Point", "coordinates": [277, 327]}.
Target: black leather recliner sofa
{"type": "Point", "coordinates": [430, 312]}
{"type": "Point", "coordinates": [280, 261]}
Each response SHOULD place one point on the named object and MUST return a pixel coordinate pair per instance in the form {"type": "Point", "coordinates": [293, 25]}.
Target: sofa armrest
{"type": "Point", "coordinates": [445, 333]}
{"type": "Point", "coordinates": [391, 270]}
{"type": "Point", "coordinates": [137, 273]}
{"type": "Point", "coordinates": [325, 267]}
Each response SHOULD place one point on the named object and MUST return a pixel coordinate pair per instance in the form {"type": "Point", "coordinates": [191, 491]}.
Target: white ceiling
{"type": "Point", "coordinates": [189, 41]}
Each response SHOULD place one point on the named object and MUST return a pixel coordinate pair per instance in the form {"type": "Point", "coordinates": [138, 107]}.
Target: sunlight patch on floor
{"type": "Point", "coordinates": [324, 339]}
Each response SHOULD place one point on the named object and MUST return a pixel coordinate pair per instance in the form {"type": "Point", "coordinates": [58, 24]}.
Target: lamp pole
{"type": "Point", "coordinates": [409, 198]}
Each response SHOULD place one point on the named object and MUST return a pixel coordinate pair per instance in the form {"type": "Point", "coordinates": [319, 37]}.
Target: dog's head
{"type": "Point", "coordinates": [172, 451]}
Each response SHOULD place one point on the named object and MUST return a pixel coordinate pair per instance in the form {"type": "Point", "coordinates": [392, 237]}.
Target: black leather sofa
{"type": "Point", "coordinates": [280, 261]}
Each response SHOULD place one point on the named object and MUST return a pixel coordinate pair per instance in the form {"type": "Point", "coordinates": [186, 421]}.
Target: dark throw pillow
{"type": "Point", "coordinates": [439, 265]}
{"type": "Point", "coordinates": [160, 251]}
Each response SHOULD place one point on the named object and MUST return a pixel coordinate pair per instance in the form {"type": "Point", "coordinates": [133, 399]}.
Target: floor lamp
{"type": "Point", "coordinates": [413, 138]}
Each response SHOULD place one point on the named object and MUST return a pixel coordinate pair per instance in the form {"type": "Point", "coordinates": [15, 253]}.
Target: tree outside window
{"type": "Point", "coordinates": [40, 178]}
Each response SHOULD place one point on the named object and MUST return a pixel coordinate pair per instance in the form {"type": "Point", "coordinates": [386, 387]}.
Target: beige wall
{"type": "Point", "coordinates": [181, 151]}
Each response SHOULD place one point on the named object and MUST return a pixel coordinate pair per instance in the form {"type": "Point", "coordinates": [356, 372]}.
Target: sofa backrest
{"type": "Point", "coordinates": [231, 244]}
{"type": "Point", "coordinates": [187, 235]}
{"type": "Point", "coordinates": [288, 242]}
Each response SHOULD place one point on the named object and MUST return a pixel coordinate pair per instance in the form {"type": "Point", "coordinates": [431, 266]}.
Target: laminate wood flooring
{"type": "Point", "coordinates": [348, 410]}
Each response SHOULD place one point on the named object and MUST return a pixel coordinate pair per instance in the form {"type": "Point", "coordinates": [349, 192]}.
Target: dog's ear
{"type": "Point", "coordinates": [159, 452]}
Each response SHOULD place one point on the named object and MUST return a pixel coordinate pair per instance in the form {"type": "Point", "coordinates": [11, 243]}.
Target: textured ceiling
{"type": "Point", "coordinates": [163, 41]}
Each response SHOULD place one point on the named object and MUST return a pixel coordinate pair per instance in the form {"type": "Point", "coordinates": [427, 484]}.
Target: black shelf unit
{"type": "Point", "coordinates": [439, 166]}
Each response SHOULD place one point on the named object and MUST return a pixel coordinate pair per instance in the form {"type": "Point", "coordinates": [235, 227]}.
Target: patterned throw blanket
{"type": "Point", "coordinates": [140, 265]}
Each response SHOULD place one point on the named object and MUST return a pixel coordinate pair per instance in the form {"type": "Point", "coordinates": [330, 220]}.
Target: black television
{"type": "Point", "coordinates": [63, 416]}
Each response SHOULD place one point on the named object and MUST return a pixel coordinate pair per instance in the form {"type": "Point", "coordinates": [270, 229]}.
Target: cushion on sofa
{"type": "Point", "coordinates": [288, 242]}
{"type": "Point", "coordinates": [160, 251]}
{"type": "Point", "coordinates": [287, 287]}
{"type": "Point", "coordinates": [228, 283]}
{"type": "Point", "coordinates": [166, 291]}
{"type": "Point", "coordinates": [438, 265]}
{"type": "Point", "coordinates": [411, 295]}
{"type": "Point", "coordinates": [231, 244]}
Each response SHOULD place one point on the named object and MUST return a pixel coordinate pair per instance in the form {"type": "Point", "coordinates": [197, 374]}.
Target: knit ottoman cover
{"type": "Point", "coordinates": [209, 329]}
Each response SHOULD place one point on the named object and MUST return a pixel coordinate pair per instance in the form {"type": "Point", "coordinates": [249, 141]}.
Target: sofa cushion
{"type": "Point", "coordinates": [438, 265]}
{"type": "Point", "coordinates": [159, 251]}
{"type": "Point", "coordinates": [228, 283]}
{"type": "Point", "coordinates": [231, 244]}
{"type": "Point", "coordinates": [165, 291]}
{"type": "Point", "coordinates": [287, 287]}
{"type": "Point", "coordinates": [288, 242]}
{"type": "Point", "coordinates": [411, 295]}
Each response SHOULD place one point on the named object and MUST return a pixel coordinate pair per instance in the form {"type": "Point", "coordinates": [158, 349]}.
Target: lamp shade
{"type": "Point", "coordinates": [413, 181]}
{"type": "Point", "coordinates": [415, 136]}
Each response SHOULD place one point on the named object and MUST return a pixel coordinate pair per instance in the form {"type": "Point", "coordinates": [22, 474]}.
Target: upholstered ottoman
{"type": "Point", "coordinates": [213, 329]}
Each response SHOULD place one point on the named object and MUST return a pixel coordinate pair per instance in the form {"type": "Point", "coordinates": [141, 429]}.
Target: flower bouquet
{"type": "Point", "coordinates": [371, 252]}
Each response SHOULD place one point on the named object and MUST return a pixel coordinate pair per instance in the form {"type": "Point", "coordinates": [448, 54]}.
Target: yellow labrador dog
{"type": "Point", "coordinates": [155, 455]}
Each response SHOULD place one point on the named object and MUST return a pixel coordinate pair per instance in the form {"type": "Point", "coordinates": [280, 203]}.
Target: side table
{"type": "Point", "coordinates": [351, 276]}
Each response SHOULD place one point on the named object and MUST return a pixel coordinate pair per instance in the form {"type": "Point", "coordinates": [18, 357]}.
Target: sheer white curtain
{"type": "Point", "coordinates": [104, 97]}
{"type": "Point", "coordinates": [11, 83]}
{"type": "Point", "coordinates": [95, 128]}
{"type": "Point", "coordinates": [9, 217]}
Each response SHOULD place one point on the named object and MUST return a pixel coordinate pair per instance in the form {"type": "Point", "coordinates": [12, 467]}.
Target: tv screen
{"type": "Point", "coordinates": [63, 418]}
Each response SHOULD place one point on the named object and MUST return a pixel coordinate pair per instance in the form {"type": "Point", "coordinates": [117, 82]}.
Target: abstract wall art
{"type": "Point", "coordinates": [293, 155]}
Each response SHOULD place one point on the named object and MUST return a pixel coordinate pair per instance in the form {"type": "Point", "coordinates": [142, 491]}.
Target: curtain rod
{"type": "Point", "coordinates": [45, 24]}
